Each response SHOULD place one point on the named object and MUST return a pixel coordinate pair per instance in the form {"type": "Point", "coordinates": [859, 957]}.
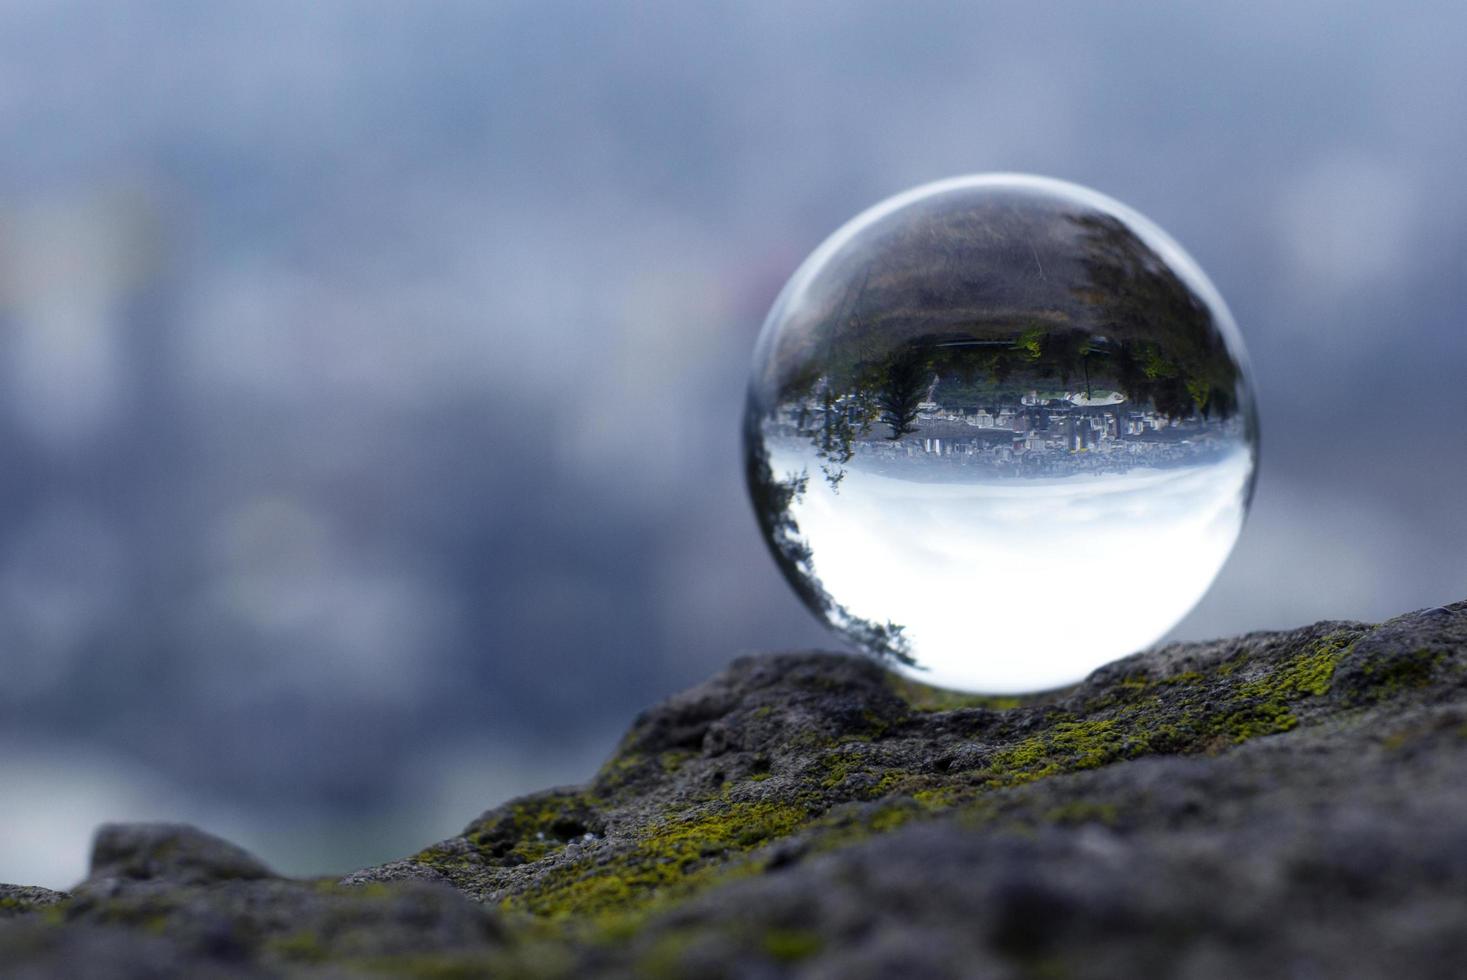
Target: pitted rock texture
{"type": "Point", "coordinates": [1274, 805]}
{"type": "Point", "coordinates": [20, 899]}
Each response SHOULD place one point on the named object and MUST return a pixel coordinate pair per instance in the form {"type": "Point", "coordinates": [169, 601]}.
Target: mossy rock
{"type": "Point", "coordinates": [1276, 804]}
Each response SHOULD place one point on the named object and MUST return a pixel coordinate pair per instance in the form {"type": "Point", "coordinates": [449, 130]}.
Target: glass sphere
{"type": "Point", "coordinates": [1000, 432]}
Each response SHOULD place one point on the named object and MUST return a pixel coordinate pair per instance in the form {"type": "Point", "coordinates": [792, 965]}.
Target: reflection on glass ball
{"type": "Point", "coordinates": [1000, 432]}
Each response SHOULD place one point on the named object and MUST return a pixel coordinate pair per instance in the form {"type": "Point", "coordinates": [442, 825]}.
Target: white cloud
{"type": "Point", "coordinates": [1020, 585]}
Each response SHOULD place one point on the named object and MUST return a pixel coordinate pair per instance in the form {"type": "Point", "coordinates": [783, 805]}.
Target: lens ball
{"type": "Point", "coordinates": [999, 432]}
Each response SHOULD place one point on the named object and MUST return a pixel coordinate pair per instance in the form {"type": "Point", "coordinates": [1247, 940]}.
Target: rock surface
{"type": "Point", "coordinates": [1274, 805]}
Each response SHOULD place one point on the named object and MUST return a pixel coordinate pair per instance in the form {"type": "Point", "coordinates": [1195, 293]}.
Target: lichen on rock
{"type": "Point", "coordinates": [811, 814]}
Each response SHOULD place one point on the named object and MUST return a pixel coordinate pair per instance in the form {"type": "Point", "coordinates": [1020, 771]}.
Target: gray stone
{"type": "Point", "coordinates": [20, 899]}
{"type": "Point", "coordinates": [176, 853]}
{"type": "Point", "coordinates": [1273, 805]}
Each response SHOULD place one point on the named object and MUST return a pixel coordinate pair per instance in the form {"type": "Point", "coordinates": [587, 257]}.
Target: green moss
{"type": "Point", "coordinates": [440, 857]}
{"type": "Point", "coordinates": [13, 905]}
{"type": "Point", "coordinates": [1267, 717]}
{"type": "Point", "coordinates": [1142, 716]}
{"type": "Point", "coordinates": [622, 761]}
{"type": "Point", "coordinates": [1066, 746]}
{"type": "Point", "coordinates": [922, 697]}
{"type": "Point", "coordinates": [1402, 673]}
{"type": "Point", "coordinates": [890, 818]}
{"type": "Point", "coordinates": [744, 825]}
{"type": "Point", "coordinates": [1309, 673]}
{"type": "Point", "coordinates": [620, 769]}
{"type": "Point", "coordinates": [893, 782]}
{"type": "Point", "coordinates": [674, 854]}
{"type": "Point", "coordinates": [848, 824]}
{"type": "Point", "coordinates": [936, 798]}
{"type": "Point", "coordinates": [150, 912]}
{"type": "Point", "coordinates": [666, 957]}
{"type": "Point", "coordinates": [1135, 688]}
{"type": "Point", "coordinates": [1263, 706]}
{"type": "Point", "coordinates": [673, 759]}
{"type": "Point", "coordinates": [524, 831]}
{"type": "Point", "coordinates": [791, 945]}
{"type": "Point", "coordinates": [303, 946]}
{"type": "Point", "coordinates": [1083, 811]}
{"type": "Point", "coordinates": [837, 766]}
{"type": "Point", "coordinates": [1395, 741]}
{"type": "Point", "coordinates": [876, 726]}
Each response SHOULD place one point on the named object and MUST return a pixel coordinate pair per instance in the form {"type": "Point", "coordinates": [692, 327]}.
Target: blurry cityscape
{"type": "Point", "coordinates": [1036, 436]}
{"type": "Point", "coordinates": [373, 373]}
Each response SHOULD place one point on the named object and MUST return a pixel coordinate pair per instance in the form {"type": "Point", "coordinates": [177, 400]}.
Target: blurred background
{"type": "Point", "coordinates": [372, 372]}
